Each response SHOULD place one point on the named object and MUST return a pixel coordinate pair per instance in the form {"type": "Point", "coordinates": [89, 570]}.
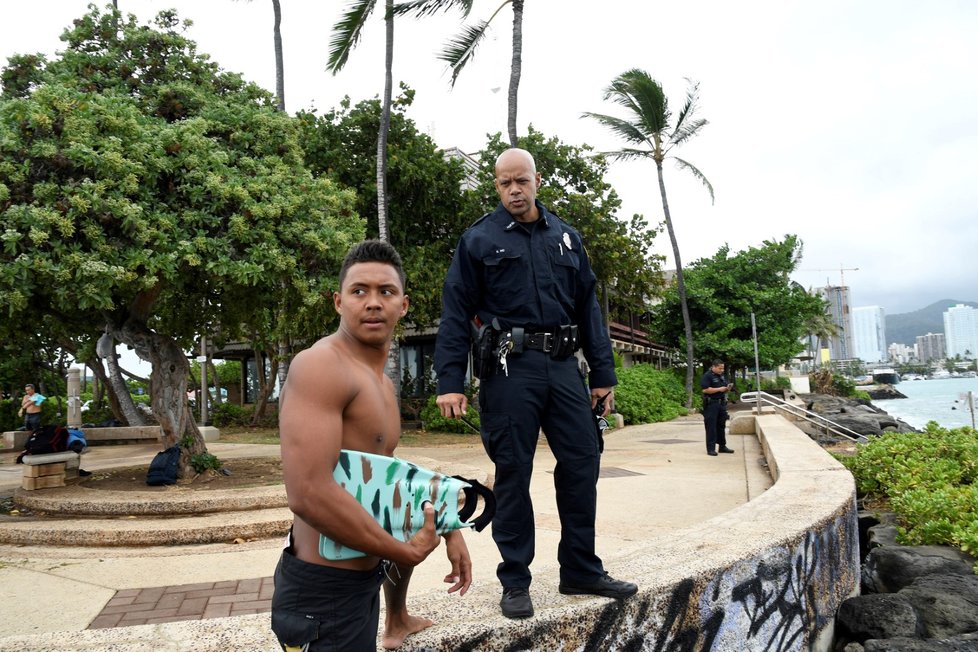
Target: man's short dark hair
{"type": "Point", "coordinates": [373, 251]}
{"type": "Point", "coordinates": [716, 362]}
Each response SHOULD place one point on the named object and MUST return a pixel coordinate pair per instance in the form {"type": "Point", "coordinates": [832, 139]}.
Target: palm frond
{"type": "Point", "coordinates": [346, 34]}
{"type": "Point", "coordinates": [644, 97]}
{"type": "Point", "coordinates": [696, 173]}
{"type": "Point", "coordinates": [460, 49]}
{"type": "Point", "coordinates": [628, 154]}
{"type": "Point", "coordinates": [623, 128]}
{"type": "Point", "coordinates": [692, 102]}
{"type": "Point", "coordinates": [687, 131]}
{"type": "Point", "coordinates": [422, 8]}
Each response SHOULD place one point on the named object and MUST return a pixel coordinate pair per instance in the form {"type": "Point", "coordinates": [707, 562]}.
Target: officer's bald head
{"type": "Point", "coordinates": [514, 155]}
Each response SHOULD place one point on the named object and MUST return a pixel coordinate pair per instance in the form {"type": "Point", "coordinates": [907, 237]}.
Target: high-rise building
{"type": "Point", "coordinates": [961, 331]}
{"type": "Point", "coordinates": [840, 345]}
{"type": "Point", "coordinates": [869, 333]}
{"type": "Point", "coordinates": [901, 353]}
{"type": "Point", "coordinates": [930, 347]}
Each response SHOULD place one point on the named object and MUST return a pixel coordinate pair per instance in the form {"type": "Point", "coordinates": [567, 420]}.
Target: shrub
{"type": "Point", "coordinates": [645, 394]}
{"type": "Point", "coordinates": [432, 419]}
{"type": "Point", "coordinates": [229, 414]}
{"type": "Point", "coordinates": [929, 479]}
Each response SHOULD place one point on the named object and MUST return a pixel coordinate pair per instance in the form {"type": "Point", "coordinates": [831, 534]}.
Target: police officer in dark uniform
{"type": "Point", "coordinates": [715, 388]}
{"type": "Point", "coordinates": [520, 289]}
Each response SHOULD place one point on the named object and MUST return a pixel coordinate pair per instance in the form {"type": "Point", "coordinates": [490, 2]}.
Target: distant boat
{"type": "Point", "coordinates": [886, 377]}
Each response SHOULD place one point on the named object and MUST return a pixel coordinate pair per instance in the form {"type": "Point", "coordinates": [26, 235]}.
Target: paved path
{"type": "Point", "coordinates": [655, 478]}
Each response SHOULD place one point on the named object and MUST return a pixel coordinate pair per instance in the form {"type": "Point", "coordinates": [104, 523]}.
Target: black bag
{"type": "Point", "coordinates": [163, 468]}
{"type": "Point", "coordinates": [47, 439]}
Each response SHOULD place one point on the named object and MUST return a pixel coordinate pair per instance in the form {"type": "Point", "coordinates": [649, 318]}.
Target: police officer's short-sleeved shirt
{"type": "Point", "coordinates": [535, 276]}
{"type": "Point", "coordinates": [712, 379]}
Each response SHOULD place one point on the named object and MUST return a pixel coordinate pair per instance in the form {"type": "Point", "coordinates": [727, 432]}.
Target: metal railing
{"type": "Point", "coordinates": [763, 398]}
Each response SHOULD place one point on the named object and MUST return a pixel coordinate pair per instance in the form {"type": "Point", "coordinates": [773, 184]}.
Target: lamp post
{"type": "Point", "coordinates": [202, 359]}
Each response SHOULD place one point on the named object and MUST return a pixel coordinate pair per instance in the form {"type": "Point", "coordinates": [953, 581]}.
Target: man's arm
{"type": "Point", "coordinates": [593, 332]}
{"type": "Point", "coordinates": [311, 427]}
{"type": "Point", "coordinates": [452, 344]}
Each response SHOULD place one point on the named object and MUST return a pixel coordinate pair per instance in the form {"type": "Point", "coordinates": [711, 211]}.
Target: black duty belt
{"type": "Point", "coordinates": [559, 343]}
{"type": "Point", "coordinates": [539, 341]}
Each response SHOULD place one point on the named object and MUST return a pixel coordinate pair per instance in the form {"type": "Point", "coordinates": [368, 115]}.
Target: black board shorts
{"type": "Point", "coordinates": [320, 608]}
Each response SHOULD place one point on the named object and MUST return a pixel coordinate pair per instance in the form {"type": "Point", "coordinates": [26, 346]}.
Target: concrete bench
{"type": "Point", "coordinates": [16, 439]}
{"type": "Point", "coordinates": [49, 470]}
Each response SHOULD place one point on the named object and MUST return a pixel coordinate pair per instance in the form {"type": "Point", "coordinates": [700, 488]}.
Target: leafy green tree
{"type": "Point", "coordinates": [722, 291]}
{"type": "Point", "coordinates": [574, 188]}
{"type": "Point", "coordinates": [648, 129]}
{"type": "Point", "coordinates": [145, 192]}
{"type": "Point", "coordinates": [425, 190]}
{"type": "Point", "coordinates": [461, 49]}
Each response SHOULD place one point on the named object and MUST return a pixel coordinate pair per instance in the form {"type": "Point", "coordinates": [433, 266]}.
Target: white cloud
{"type": "Point", "coordinates": [849, 124]}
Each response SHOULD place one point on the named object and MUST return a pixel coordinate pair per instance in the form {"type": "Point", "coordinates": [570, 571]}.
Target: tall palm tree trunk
{"type": "Point", "coordinates": [394, 355]}
{"type": "Point", "coordinates": [385, 124]}
{"type": "Point", "coordinates": [279, 59]}
{"type": "Point", "coordinates": [681, 286]}
{"type": "Point", "coordinates": [516, 69]}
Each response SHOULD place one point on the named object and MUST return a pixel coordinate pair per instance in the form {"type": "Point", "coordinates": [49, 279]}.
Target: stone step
{"type": "Point", "coordinates": [146, 530]}
{"type": "Point", "coordinates": [79, 500]}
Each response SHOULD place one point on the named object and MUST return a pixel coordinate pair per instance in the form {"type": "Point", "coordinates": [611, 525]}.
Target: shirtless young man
{"type": "Point", "coordinates": [31, 404]}
{"type": "Point", "coordinates": [337, 396]}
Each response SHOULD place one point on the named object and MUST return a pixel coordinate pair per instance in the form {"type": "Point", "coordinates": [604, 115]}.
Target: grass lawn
{"type": "Point", "coordinates": [409, 438]}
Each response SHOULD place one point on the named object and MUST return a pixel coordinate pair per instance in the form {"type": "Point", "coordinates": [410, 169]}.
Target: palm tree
{"type": "Point", "coordinates": [346, 35]}
{"type": "Point", "coordinates": [460, 50]}
{"type": "Point", "coordinates": [821, 328]}
{"type": "Point", "coordinates": [279, 57]}
{"type": "Point", "coordinates": [647, 128]}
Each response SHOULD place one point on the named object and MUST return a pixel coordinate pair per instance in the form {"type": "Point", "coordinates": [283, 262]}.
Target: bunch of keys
{"type": "Point", "coordinates": [505, 346]}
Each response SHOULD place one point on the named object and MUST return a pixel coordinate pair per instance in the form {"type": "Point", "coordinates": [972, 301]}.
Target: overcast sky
{"type": "Point", "coordinates": [849, 123]}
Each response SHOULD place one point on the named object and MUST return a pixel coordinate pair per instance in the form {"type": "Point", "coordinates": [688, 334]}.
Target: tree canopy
{"type": "Point", "coordinates": [429, 210]}
{"type": "Point", "coordinates": [147, 193]}
{"type": "Point", "coordinates": [724, 289]}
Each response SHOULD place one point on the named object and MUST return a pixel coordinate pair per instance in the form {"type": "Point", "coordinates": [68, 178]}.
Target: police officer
{"type": "Point", "coordinates": [715, 388]}
{"type": "Point", "coordinates": [521, 281]}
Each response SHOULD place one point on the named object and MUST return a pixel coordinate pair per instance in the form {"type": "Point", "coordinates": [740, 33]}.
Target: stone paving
{"type": "Point", "coordinates": [166, 604]}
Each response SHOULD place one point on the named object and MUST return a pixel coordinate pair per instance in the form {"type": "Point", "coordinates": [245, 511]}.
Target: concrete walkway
{"type": "Point", "coordinates": [655, 479]}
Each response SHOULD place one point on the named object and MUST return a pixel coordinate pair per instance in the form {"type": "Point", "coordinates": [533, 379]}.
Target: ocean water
{"type": "Point", "coordinates": [932, 400]}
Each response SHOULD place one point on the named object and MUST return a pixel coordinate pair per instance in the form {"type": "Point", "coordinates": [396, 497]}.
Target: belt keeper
{"type": "Point", "coordinates": [518, 335]}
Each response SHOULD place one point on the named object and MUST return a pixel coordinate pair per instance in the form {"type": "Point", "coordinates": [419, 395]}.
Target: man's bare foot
{"type": "Point", "coordinates": [397, 629]}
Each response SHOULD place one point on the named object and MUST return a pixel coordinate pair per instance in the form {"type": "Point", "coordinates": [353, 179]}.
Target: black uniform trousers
{"type": "Point", "coordinates": [715, 420]}
{"type": "Point", "coordinates": [541, 392]}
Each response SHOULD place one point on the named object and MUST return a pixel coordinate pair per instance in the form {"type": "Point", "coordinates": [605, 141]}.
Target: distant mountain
{"type": "Point", "coordinates": [905, 327]}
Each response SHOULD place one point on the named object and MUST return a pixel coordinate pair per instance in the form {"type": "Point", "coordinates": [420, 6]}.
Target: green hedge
{"type": "Point", "coordinates": [646, 395]}
{"type": "Point", "coordinates": [229, 414]}
{"type": "Point", "coordinates": [929, 479]}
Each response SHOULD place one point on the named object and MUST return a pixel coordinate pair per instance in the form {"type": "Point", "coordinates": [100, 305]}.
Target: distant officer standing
{"type": "Point", "coordinates": [715, 388]}
{"type": "Point", "coordinates": [522, 283]}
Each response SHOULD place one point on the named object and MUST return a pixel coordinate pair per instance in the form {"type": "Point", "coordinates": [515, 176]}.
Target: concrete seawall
{"type": "Point", "coordinates": [768, 575]}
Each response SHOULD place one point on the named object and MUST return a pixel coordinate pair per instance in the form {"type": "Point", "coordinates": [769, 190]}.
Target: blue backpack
{"type": "Point", "coordinates": [163, 468]}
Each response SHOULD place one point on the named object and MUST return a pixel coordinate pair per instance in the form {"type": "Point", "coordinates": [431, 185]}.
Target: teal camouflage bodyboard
{"type": "Point", "coordinates": [394, 491]}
